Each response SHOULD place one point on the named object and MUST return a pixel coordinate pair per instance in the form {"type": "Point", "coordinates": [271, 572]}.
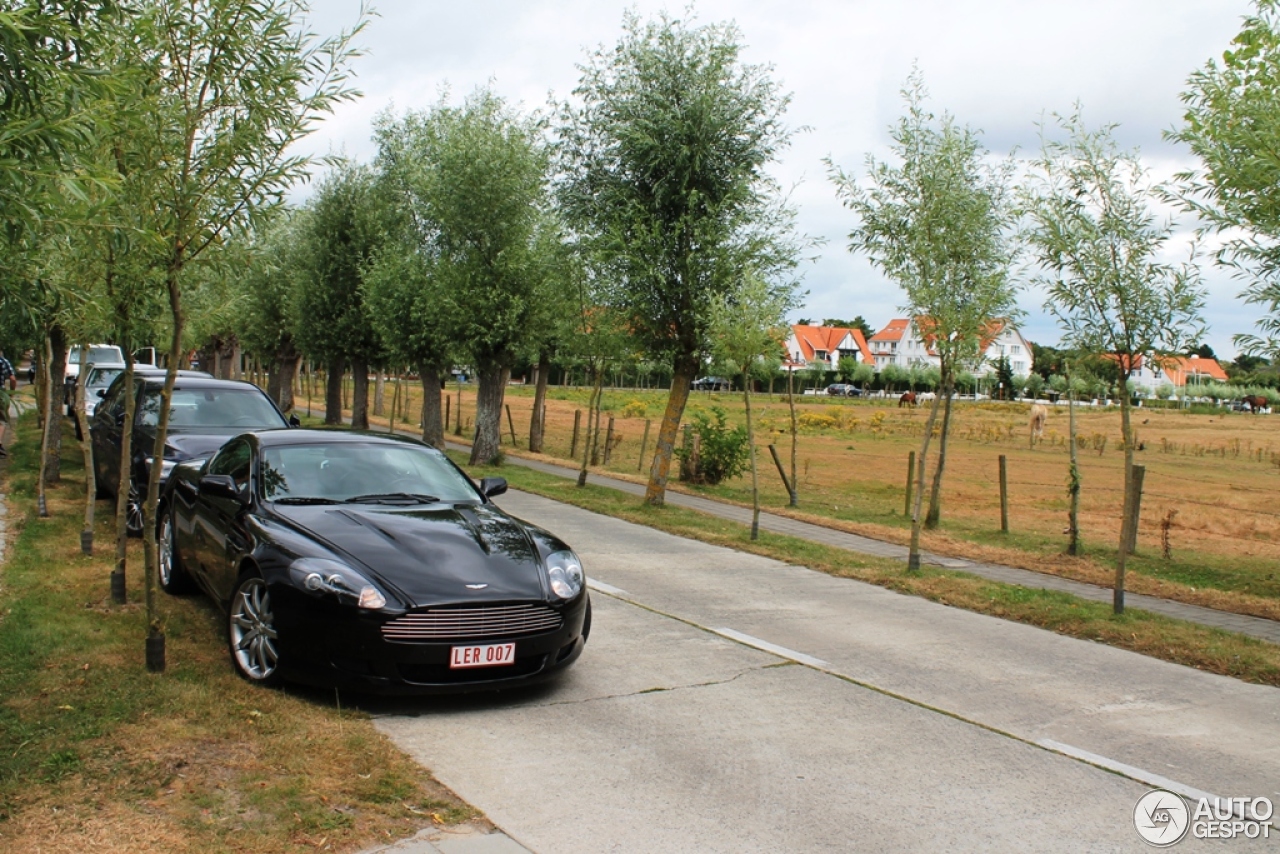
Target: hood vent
{"type": "Point", "coordinates": [472, 623]}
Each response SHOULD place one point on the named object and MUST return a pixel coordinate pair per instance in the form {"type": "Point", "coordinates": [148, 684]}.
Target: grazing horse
{"type": "Point", "coordinates": [1255, 402]}
{"type": "Point", "coordinates": [908, 399]}
{"type": "Point", "coordinates": [1039, 415]}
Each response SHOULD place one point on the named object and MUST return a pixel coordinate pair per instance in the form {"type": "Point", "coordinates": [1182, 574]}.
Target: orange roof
{"type": "Point", "coordinates": [893, 332]}
{"type": "Point", "coordinates": [1182, 368]}
{"type": "Point", "coordinates": [828, 338]}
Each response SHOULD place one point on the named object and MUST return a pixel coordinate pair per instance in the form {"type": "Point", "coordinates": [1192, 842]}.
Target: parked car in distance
{"type": "Point", "coordinates": [844, 390]}
{"type": "Point", "coordinates": [203, 414]}
{"type": "Point", "coordinates": [370, 563]}
{"type": "Point", "coordinates": [711, 384]}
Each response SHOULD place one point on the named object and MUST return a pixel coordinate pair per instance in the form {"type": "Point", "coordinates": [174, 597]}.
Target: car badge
{"type": "Point", "coordinates": [476, 586]}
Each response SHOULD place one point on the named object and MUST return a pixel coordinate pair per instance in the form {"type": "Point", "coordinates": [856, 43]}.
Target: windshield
{"type": "Point", "coordinates": [96, 354]}
{"type": "Point", "coordinates": [343, 471]}
{"type": "Point", "coordinates": [196, 409]}
{"type": "Point", "coordinates": [102, 377]}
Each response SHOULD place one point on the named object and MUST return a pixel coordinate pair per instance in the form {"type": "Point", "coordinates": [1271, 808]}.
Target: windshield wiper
{"type": "Point", "coordinates": [305, 499]}
{"type": "Point", "coordinates": [392, 498]}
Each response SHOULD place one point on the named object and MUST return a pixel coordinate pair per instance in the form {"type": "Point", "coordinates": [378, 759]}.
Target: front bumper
{"type": "Point", "coordinates": [326, 644]}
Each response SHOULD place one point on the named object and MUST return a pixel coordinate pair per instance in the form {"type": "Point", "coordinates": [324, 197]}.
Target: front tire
{"type": "Point", "coordinates": [174, 579]}
{"type": "Point", "coordinates": [133, 512]}
{"type": "Point", "coordinates": [251, 632]}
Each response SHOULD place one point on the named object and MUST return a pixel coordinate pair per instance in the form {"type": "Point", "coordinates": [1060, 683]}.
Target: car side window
{"type": "Point", "coordinates": [234, 459]}
{"type": "Point", "coordinates": [113, 403]}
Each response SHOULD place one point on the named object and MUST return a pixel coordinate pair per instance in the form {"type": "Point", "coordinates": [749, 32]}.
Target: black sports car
{"type": "Point", "coordinates": [204, 413]}
{"type": "Point", "coordinates": [371, 563]}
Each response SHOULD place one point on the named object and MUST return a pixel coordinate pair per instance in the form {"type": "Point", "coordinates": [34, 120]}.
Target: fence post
{"type": "Point", "coordinates": [773, 449]}
{"type": "Point", "coordinates": [577, 426]}
{"type": "Point", "coordinates": [608, 441]}
{"type": "Point", "coordinates": [511, 425]}
{"type": "Point", "coordinates": [1004, 494]}
{"type": "Point", "coordinates": [448, 411]}
{"type": "Point", "coordinates": [644, 445]}
{"type": "Point", "coordinates": [911, 480]}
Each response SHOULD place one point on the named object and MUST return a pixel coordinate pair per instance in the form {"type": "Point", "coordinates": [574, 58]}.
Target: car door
{"type": "Point", "coordinates": [219, 520]}
{"type": "Point", "coordinates": [106, 433]}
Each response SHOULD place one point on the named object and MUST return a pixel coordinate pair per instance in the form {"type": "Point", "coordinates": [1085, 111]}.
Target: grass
{"type": "Point", "coordinates": [98, 754]}
{"type": "Point", "coordinates": [1208, 649]}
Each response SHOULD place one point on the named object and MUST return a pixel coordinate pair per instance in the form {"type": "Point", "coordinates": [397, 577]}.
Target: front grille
{"type": "Point", "coordinates": [449, 624]}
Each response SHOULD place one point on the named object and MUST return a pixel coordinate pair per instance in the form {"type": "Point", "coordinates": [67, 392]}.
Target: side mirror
{"type": "Point", "coordinates": [295, 421]}
{"type": "Point", "coordinates": [101, 393]}
{"type": "Point", "coordinates": [219, 486]}
{"type": "Point", "coordinates": [491, 486]}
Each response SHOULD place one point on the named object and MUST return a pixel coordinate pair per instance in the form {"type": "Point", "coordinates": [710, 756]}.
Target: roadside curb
{"type": "Point", "coordinates": [459, 839]}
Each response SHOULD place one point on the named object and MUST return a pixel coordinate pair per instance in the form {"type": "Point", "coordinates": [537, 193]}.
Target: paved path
{"type": "Point", "coordinates": [1268, 630]}
{"type": "Point", "coordinates": [728, 702]}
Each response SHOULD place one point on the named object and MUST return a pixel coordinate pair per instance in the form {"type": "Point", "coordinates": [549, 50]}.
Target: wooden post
{"type": "Point", "coordinates": [773, 449]}
{"type": "Point", "coordinates": [577, 427]}
{"type": "Point", "coordinates": [448, 411]}
{"type": "Point", "coordinates": [511, 425]}
{"type": "Point", "coordinates": [911, 481]}
{"type": "Point", "coordinates": [458, 431]}
{"type": "Point", "coordinates": [1135, 511]}
{"type": "Point", "coordinates": [608, 441]}
{"type": "Point", "coordinates": [1004, 494]}
{"type": "Point", "coordinates": [644, 445]}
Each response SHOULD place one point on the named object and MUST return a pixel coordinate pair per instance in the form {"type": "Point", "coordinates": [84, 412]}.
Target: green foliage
{"type": "Point", "coordinates": [1099, 246]}
{"type": "Point", "coordinates": [723, 453]}
{"type": "Point", "coordinates": [665, 179]}
{"type": "Point", "coordinates": [1232, 123]}
{"type": "Point", "coordinates": [938, 224]}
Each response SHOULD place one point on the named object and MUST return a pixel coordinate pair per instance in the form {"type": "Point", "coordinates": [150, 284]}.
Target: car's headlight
{"type": "Point", "coordinates": [166, 466]}
{"type": "Point", "coordinates": [564, 571]}
{"type": "Point", "coordinates": [321, 575]}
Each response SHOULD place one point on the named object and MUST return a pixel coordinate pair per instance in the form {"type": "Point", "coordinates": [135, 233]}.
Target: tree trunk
{"type": "Point", "coordinates": [86, 446]}
{"type": "Point", "coordinates": [931, 519]}
{"type": "Point", "coordinates": [791, 402]}
{"type": "Point", "coordinates": [1117, 595]}
{"type": "Point", "coordinates": [333, 391]}
{"type": "Point", "coordinates": [489, 395]}
{"type": "Point", "coordinates": [597, 389]}
{"type": "Point", "coordinates": [913, 556]}
{"type": "Point", "coordinates": [57, 400]}
{"type": "Point", "coordinates": [237, 371]}
{"type": "Point", "coordinates": [122, 483]}
{"type": "Point", "coordinates": [359, 394]}
{"type": "Point", "coordinates": [380, 393]}
{"type": "Point", "coordinates": [685, 371]}
{"type": "Point", "coordinates": [539, 401]}
{"type": "Point", "coordinates": [284, 370]}
{"type": "Point", "coordinates": [432, 417]}
{"type": "Point", "coordinates": [751, 449]}
{"type": "Point", "coordinates": [1073, 477]}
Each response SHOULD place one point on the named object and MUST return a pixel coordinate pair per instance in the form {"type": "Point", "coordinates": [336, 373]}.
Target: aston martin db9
{"type": "Point", "coordinates": [371, 563]}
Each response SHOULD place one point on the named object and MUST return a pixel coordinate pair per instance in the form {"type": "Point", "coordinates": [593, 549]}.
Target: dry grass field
{"type": "Point", "coordinates": [1210, 525]}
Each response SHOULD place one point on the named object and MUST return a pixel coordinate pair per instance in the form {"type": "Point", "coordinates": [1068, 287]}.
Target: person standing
{"type": "Point", "coordinates": [8, 377]}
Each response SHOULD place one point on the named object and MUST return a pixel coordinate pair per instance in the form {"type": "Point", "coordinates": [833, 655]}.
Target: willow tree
{"type": "Point", "coordinates": [664, 161]}
{"type": "Point", "coordinates": [229, 86]}
{"type": "Point", "coordinates": [1096, 236]}
{"type": "Point", "coordinates": [748, 326]}
{"type": "Point", "coordinates": [475, 178]}
{"type": "Point", "coordinates": [938, 222]}
{"type": "Point", "coordinates": [1232, 123]}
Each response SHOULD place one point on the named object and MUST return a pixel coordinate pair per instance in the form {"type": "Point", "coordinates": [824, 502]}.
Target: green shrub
{"type": "Point", "coordinates": [722, 452]}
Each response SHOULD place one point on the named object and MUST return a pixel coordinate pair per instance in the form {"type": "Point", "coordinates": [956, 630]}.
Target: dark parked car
{"type": "Point", "coordinates": [204, 413]}
{"type": "Point", "coordinates": [372, 563]}
{"type": "Point", "coordinates": [843, 390]}
{"type": "Point", "coordinates": [711, 384]}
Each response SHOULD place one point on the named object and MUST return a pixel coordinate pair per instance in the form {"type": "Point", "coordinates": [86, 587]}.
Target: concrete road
{"type": "Point", "coordinates": [728, 702]}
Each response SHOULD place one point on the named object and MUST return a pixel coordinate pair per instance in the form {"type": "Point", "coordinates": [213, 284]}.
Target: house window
{"type": "Point", "coordinates": [820, 355]}
{"type": "Point", "coordinates": [1015, 350]}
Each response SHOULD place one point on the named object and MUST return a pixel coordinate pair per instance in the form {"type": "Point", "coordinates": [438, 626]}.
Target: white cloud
{"type": "Point", "coordinates": [997, 65]}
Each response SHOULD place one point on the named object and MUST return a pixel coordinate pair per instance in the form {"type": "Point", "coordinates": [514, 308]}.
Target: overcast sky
{"type": "Point", "coordinates": [997, 65]}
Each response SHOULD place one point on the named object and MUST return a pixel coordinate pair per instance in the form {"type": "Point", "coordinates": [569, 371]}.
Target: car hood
{"type": "Point", "coordinates": [430, 554]}
{"type": "Point", "coordinates": [186, 446]}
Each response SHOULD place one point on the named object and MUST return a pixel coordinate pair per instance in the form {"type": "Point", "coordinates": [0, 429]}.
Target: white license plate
{"type": "Point", "coordinates": [486, 655]}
